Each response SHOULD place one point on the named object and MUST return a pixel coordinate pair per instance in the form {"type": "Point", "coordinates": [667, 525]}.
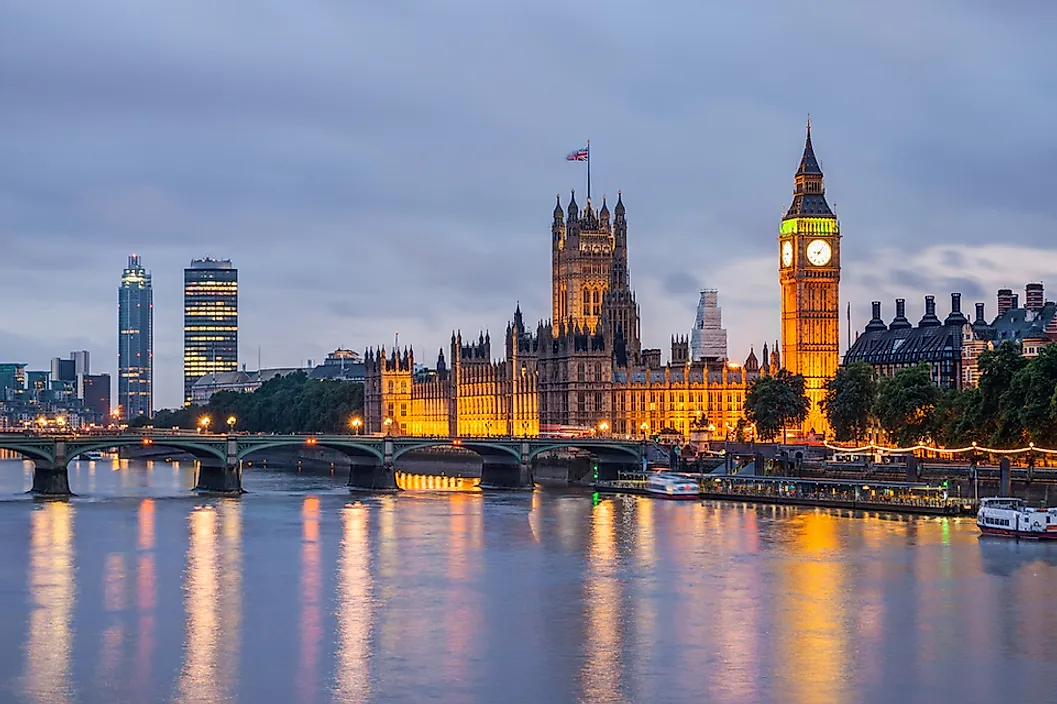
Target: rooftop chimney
{"type": "Point", "coordinates": [956, 317]}
{"type": "Point", "coordinates": [1016, 300]}
{"type": "Point", "coordinates": [929, 320]}
{"type": "Point", "coordinates": [1005, 300]}
{"type": "Point", "coordinates": [979, 313]}
{"type": "Point", "coordinates": [875, 322]}
{"type": "Point", "coordinates": [1034, 297]}
{"type": "Point", "coordinates": [900, 322]}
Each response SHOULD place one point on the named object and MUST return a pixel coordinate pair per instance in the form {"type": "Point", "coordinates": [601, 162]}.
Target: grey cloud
{"type": "Point", "coordinates": [374, 165]}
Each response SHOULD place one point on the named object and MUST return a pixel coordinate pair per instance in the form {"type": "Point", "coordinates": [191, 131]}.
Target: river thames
{"type": "Point", "coordinates": [137, 590]}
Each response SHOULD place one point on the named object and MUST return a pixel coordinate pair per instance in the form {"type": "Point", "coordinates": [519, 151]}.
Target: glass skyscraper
{"type": "Point", "coordinates": [135, 342]}
{"type": "Point", "coordinates": [211, 320]}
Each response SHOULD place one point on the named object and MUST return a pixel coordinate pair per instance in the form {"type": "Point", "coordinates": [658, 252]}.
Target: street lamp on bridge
{"type": "Point", "coordinates": [388, 423]}
{"type": "Point", "coordinates": [603, 428]}
{"type": "Point", "coordinates": [645, 428]}
{"type": "Point", "coordinates": [203, 424]}
{"type": "Point", "coordinates": [356, 424]}
{"type": "Point", "coordinates": [231, 424]}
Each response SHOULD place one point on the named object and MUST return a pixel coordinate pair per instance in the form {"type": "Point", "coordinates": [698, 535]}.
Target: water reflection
{"type": "Point", "coordinates": [354, 606]}
{"type": "Point", "coordinates": [51, 592]}
{"type": "Point", "coordinates": [600, 670]}
{"type": "Point", "coordinates": [213, 604]}
{"type": "Point", "coordinates": [813, 643]}
{"type": "Point", "coordinates": [434, 482]}
{"type": "Point", "coordinates": [146, 595]}
{"type": "Point", "coordinates": [311, 593]}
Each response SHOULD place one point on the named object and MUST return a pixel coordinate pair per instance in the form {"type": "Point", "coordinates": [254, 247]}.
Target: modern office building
{"type": "Point", "coordinates": [135, 342]}
{"type": "Point", "coordinates": [211, 320]}
{"type": "Point", "coordinates": [63, 369]}
{"type": "Point", "coordinates": [94, 392]}
{"type": "Point", "coordinates": [12, 379]}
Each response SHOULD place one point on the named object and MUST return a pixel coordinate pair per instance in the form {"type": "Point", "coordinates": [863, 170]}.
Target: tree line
{"type": "Point", "coordinates": [287, 404]}
{"type": "Point", "coordinates": [1013, 404]}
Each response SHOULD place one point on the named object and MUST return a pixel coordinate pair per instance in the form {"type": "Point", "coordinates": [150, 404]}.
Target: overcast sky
{"type": "Point", "coordinates": [377, 166]}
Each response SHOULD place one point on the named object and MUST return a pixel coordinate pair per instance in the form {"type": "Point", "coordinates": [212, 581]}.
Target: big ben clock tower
{"type": "Point", "coordinates": [809, 271]}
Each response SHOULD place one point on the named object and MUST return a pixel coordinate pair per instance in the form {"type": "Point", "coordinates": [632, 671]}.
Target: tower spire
{"type": "Point", "coordinates": [809, 193]}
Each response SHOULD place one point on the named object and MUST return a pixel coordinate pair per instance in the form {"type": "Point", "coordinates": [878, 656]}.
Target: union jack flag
{"type": "Point", "coordinates": [578, 155]}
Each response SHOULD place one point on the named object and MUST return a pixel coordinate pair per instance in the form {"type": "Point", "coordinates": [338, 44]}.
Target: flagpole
{"type": "Point", "coordinates": [588, 169]}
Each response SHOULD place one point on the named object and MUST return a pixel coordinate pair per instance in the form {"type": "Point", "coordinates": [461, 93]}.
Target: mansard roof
{"type": "Point", "coordinates": [1023, 324]}
{"type": "Point", "coordinates": [906, 345]}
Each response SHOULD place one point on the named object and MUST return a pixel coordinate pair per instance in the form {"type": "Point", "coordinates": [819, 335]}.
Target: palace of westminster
{"type": "Point", "coordinates": [586, 368]}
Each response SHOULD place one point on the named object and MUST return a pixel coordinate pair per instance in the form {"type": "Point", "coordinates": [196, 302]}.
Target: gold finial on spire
{"type": "Point", "coordinates": [809, 122]}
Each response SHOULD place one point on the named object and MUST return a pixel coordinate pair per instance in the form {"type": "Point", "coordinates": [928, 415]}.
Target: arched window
{"type": "Point", "coordinates": [390, 386]}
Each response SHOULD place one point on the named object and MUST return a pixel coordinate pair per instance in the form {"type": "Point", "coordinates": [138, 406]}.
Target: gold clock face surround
{"type": "Point", "coordinates": [819, 252]}
{"type": "Point", "coordinates": [787, 253]}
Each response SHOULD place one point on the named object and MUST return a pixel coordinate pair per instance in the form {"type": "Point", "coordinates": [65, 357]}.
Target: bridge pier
{"type": "Point", "coordinates": [51, 478]}
{"type": "Point", "coordinates": [219, 477]}
{"type": "Point", "coordinates": [366, 474]}
{"type": "Point", "coordinates": [371, 476]}
{"type": "Point", "coordinates": [503, 473]}
{"type": "Point", "coordinates": [610, 470]}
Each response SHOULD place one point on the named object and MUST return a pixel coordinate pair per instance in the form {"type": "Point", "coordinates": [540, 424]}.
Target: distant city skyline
{"type": "Point", "coordinates": [411, 199]}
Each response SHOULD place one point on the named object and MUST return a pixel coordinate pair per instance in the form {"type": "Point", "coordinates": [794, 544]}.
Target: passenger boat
{"type": "Point", "coordinates": [672, 486]}
{"type": "Point", "coordinates": [1012, 518]}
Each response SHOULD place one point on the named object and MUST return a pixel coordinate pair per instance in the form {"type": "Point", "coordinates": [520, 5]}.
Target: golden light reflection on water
{"type": "Point", "coordinates": [146, 594]}
{"type": "Point", "coordinates": [600, 671]}
{"type": "Point", "coordinates": [51, 592]}
{"type": "Point", "coordinates": [813, 642]}
{"type": "Point", "coordinates": [462, 619]}
{"type": "Point", "coordinates": [432, 482]}
{"type": "Point", "coordinates": [213, 604]}
{"type": "Point", "coordinates": [311, 596]}
{"type": "Point", "coordinates": [354, 606]}
{"type": "Point", "coordinates": [735, 618]}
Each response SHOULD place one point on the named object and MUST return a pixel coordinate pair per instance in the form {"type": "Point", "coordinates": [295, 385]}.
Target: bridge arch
{"type": "Point", "coordinates": [199, 449]}
{"type": "Point", "coordinates": [27, 449]}
{"type": "Point", "coordinates": [351, 449]}
{"type": "Point", "coordinates": [482, 449]}
{"type": "Point", "coordinates": [604, 451]}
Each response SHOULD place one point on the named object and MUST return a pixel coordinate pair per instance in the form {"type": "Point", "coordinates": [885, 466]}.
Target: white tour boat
{"type": "Point", "coordinates": [672, 486]}
{"type": "Point", "coordinates": [1012, 518]}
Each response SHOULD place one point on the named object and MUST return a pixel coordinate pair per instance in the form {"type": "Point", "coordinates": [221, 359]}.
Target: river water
{"type": "Point", "coordinates": [137, 590]}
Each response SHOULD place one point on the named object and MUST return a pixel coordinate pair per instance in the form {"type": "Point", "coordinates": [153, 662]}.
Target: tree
{"type": "Point", "coordinates": [905, 404]}
{"type": "Point", "coordinates": [849, 400]}
{"type": "Point", "coordinates": [773, 402]}
{"type": "Point", "coordinates": [287, 404]}
{"type": "Point", "coordinates": [986, 415]}
{"type": "Point", "coordinates": [1029, 401]}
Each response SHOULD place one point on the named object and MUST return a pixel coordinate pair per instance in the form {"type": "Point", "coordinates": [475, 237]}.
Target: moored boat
{"type": "Point", "coordinates": [1012, 518]}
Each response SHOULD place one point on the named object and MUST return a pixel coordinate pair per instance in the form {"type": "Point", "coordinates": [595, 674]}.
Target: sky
{"type": "Point", "coordinates": [374, 167]}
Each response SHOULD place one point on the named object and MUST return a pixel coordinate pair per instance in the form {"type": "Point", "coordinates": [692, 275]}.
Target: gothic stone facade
{"type": "Point", "coordinates": [583, 368]}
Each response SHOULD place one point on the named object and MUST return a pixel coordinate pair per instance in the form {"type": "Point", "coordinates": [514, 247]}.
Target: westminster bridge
{"type": "Point", "coordinates": [506, 462]}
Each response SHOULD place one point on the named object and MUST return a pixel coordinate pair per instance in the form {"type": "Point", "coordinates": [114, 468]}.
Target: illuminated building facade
{"type": "Point", "coordinates": [211, 320]}
{"type": "Point", "coordinates": [135, 342]}
{"type": "Point", "coordinates": [584, 370]}
{"type": "Point", "coordinates": [809, 272]}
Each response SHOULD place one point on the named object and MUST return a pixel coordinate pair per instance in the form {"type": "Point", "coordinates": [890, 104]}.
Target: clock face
{"type": "Point", "coordinates": [787, 253]}
{"type": "Point", "coordinates": [819, 252]}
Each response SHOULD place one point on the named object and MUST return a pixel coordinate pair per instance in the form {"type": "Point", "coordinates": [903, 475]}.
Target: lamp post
{"type": "Point", "coordinates": [203, 424]}
{"type": "Point", "coordinates": [488, 429]}
{"type": "Point", "coordinates": [388, 423]}
{"type": "Point", "coordinates": [231, 424]}
{"type": "Point", "coordinates": [356, 424]}
{"type": "Point", "coordinates": [645, 428]}
{"type": "Point", "coordinates": [524, 428]}
{"type": "Point", "coordinates": [603, 428]}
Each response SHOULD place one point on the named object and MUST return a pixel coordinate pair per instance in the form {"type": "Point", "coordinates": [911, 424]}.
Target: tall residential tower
{"type": "Point", "coordinates": [211, 320]}
{"type": "Point", "coordinates": [809, 272]}
{"type": "Point", "coordinates": [135, 342]}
